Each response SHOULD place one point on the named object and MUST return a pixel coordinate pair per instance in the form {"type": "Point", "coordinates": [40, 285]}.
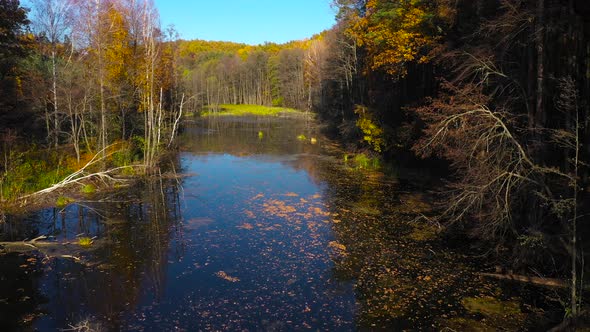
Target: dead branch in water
{"type": "Point", "coordinates": [549, 282]}
{"type": "Point", "coordinates": [48, 249]}
{"type": "Point", "coordinates": [82, 175]}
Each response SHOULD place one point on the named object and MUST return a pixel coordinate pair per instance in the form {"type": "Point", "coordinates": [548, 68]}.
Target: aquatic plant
{"type": "Point", "coordinates": [63, 201]}
{"type": "Point", "coordinates": [86, 325]}
{"type": "Point", "coordinates": [88, 189]}
{"type": "Point", "coordinates": [85, 241]}
{"type": "Point", "coordinates": [364, 161]}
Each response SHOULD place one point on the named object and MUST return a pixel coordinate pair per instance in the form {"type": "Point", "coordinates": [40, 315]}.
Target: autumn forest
{"type": "Point", "coordinates": [491, 96]}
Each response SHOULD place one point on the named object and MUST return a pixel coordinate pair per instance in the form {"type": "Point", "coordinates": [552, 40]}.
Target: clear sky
{"type": "Point", "coordinates": [247, 21]}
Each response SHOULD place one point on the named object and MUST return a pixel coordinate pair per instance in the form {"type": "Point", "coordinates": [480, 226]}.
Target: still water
{"type": "Point", "coordinates": [259, 230]}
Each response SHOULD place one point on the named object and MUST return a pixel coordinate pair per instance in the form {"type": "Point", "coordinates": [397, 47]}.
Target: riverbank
{"type": "Point", "coordinates": [54, 178]}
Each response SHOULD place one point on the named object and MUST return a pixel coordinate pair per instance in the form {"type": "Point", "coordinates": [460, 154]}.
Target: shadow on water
{"type": "Point", "coordinates": [265, 230]}
{"type": "Point", "coordinates": [132, 231]}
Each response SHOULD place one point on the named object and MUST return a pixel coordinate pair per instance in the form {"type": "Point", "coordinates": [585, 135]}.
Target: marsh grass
{"type": "Point", "coordinates": [241, 110]}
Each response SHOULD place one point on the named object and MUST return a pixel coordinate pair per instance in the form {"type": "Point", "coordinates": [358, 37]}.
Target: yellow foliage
{"type": "Point", "coordinates": [396, 32]}
{"type": "Point", "coordinates": [372, 133]}
{"type": "Point", "coordinates": [118, 50]}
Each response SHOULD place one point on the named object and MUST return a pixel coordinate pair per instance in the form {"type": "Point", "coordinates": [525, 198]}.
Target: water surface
{"type": "Point", "coordinates": [260, 230]}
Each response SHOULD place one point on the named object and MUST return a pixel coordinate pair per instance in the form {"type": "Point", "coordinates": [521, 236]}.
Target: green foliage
{"type": "Point", "coordinates": [372, 133]}
{"type": "Point", "coordinates": [139, 147]}
{"type": "Point", "coordinates": [122, 158]}
{"type": "Point", "coordinates": [301, 137]}
{"type": "Point", "coordinates": [278, 102]}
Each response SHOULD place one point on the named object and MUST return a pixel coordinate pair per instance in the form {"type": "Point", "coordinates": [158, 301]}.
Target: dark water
{"type": "Point", "coordinates": [262, 231]}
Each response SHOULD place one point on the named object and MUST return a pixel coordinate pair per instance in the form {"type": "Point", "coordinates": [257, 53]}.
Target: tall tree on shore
{"type": "Point", "coordinates": [13, 21]}
{"type": "Point", "coordinates": [53, 21]}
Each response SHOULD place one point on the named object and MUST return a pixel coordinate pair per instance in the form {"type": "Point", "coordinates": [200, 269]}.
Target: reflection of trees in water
{"type": "Point", "coordinates": [136, 250]}
{"type": "Point", "coordinates": [19, 291]}
{"type": "Point", "coordinates": [239, 136]}
{"type": "Point", "coordinates": [125, 266]}
{"type": "Point", "coordinates": [403, 277]}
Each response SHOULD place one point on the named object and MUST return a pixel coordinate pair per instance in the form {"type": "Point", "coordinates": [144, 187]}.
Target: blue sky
{"type": "Point", "coordinates": [247, 21]}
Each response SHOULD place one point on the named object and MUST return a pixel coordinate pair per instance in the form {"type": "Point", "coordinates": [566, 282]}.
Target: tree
{"type": "Point", "coordinates": [53, 20]}
{"type": "Point", "coordinates": [398, 32]}
{"type": "Point", "coordinates": [517, 153]}
{"type": "Point", "coordinates": [13, 45]}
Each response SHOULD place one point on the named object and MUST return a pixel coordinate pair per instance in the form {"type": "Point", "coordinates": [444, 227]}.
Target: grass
{"type": "Point", "coordinates": [241, 110]}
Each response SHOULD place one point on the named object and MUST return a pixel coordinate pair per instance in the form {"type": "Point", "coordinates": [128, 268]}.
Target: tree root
{"type": "Point", "coordinates": [549, 282]}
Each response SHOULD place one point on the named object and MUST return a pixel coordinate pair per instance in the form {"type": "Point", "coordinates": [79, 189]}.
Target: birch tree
{"type": "Point", "coordinates": [53, 19]}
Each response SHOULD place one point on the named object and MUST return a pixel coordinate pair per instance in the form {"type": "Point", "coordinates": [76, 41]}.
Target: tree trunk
{"type": "Point", "coordinates": [54, 92]}
{"type": "Point", "coordinates": [540, 36]}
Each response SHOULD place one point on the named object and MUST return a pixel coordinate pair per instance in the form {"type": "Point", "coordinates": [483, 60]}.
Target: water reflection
{"type": "Point", "coordinates": [239, 242]}
{"type": "Point", "coordinates": [261, 232]}
{"type": "Point", "coordinates": [239, 136]}
{"type": "Point", "coordinates": [128, 257]}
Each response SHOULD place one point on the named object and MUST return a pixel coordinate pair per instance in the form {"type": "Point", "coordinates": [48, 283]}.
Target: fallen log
{"type": "Point", "coordinates": [549, 282]}
{"type": "Point", "coordinates": [48, 249]}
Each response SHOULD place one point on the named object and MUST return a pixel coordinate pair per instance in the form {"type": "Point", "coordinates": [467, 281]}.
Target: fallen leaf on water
{"type": "Point", "coordinates": [247, 226]}
{"type": "Point", "coordinates": [336, 245]}
{"type": "Point", "coordinates": [225, 276]}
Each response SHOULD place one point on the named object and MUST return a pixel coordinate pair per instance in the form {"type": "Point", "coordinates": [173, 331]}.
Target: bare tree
{"type": "Point", "coordinates": [567, 207]}
{"type": "Point", "coordinates": [53, 19]}
{"type": "Point", "coordinates": [151, 101]}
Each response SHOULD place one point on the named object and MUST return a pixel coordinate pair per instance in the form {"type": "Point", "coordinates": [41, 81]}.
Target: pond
{"type": "Point", "coordinates": [263, 228]}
